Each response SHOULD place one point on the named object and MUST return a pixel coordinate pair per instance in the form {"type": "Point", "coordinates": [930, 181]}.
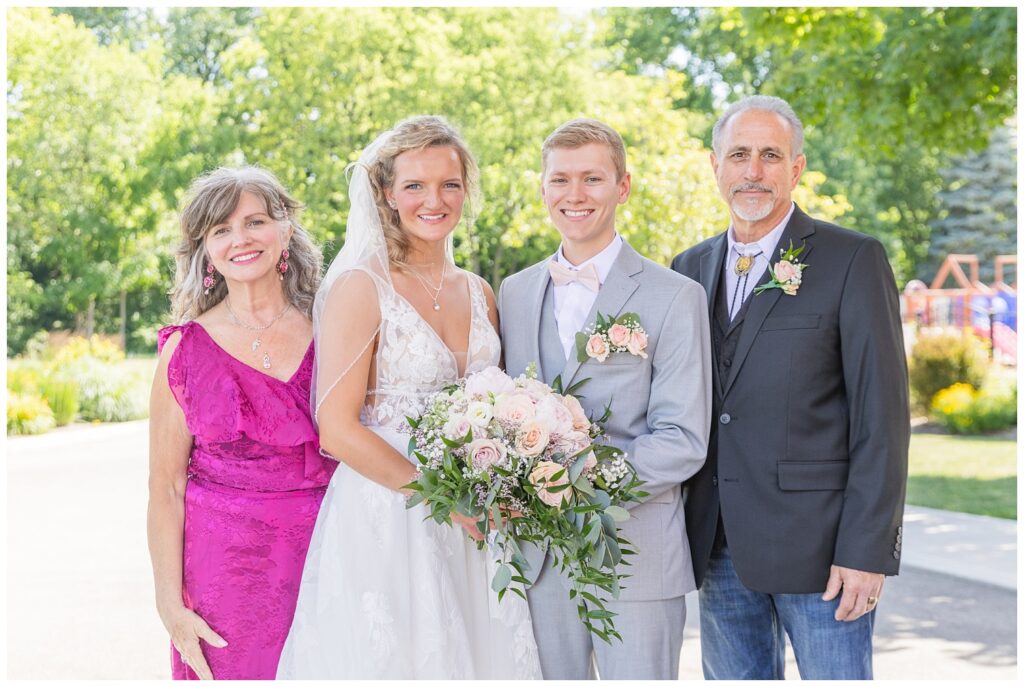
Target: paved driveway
{"type": "Point", "coordinates": [80, 590]}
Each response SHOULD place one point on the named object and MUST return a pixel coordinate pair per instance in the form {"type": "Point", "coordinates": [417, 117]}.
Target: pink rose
{"type": "Point", "coordinates": [590, 462]}
{"type": "Point", "coordinates": [597, 348]}
{"type": "Point", "coordinates": [573, 442]}
{"type": "Point", "coordinates": [555, 416]}
{"type": "Point", "coordinates": [456, 427]}
{"type": "Point", "coordinates": [789, 288]}
{"type": "Point", "coordinates": [580, 421]}
{"type": "Point", "coordinates": [637, 344]}
{"type": "Point", "coordinates": [786, 271]}
{"type": "Point", "coordinates": [533, 438]}
{"type": "Point", "coordinates": [542, 477]}
{"type": "Point", "coordinates": [484, 453]}
{"type": "Point", "coordinates": [536, 389]}
{"type": "Point", "coordinates": [618, 335]}
{"type": "Point", "coordinates": [514, 408]}
{"type": "Point", "coordinates": [490, 380]}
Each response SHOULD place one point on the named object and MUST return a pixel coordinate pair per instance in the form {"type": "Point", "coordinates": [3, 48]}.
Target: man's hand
{"type": "Point", "coordinates": [469, 524]}
{"type": "Point", "coordinates": [861, 591]}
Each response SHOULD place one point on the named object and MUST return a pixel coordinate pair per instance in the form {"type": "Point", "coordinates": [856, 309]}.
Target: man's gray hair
{"type": "Point", "coordinates": [767, 103]}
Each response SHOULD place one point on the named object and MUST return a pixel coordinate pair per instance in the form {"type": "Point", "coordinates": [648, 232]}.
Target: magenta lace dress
{"type": "Point", "coordinates": [255, 482]}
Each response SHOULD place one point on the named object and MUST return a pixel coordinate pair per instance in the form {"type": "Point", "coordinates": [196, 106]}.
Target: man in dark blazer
{"type": "Point", "coordinates": [796, 517]}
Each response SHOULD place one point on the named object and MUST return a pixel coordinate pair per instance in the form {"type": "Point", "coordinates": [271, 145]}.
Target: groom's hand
{"type": "Point", "coordinates": [469, 524]}
{"type": "Point", "coordinates": [861, 591]}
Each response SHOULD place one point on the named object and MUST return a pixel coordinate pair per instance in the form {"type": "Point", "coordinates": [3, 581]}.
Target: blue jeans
{"type": "Point", "coordinates": [741, 632]}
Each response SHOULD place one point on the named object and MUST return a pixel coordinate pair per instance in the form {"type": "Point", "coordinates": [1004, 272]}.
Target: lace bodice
{"type": "Point", "coordinates": [412, 361]}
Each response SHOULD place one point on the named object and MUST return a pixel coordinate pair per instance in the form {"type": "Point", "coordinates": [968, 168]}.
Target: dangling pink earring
{"type": "Point", "coordinates": [282, 266]}
{"type": "Point", "coordinates": [209, 281]}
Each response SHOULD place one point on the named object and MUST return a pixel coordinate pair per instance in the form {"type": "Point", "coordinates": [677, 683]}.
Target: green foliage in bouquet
{"type": "Point", "coordinates": [565, 502]}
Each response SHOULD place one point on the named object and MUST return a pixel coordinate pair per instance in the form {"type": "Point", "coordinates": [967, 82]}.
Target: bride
{"type": "Point", "coordinates": [386, 593]}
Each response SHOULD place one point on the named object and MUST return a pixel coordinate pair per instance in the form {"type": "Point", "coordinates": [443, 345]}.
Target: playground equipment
{"type": "Point", "coordinates": [989, 310]}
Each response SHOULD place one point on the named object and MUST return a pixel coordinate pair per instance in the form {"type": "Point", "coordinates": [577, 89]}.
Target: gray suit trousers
{"type": "Point", "coordinates": [652, 633]}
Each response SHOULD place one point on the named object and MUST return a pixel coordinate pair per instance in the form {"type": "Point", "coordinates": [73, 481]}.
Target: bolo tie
{"type": "Point", "coordinates": [744, 263]}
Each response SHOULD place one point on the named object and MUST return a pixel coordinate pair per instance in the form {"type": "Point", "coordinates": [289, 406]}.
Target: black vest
{"type": "Point", "coordinates": [725, 336]}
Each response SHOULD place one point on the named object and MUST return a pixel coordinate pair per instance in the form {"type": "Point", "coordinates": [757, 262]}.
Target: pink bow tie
{"type": "Point", "coordinates": [562, 275]}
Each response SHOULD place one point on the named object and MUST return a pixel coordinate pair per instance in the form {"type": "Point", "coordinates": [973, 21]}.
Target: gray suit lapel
{"type": "Point", "coordinates": [799, 228]}
{"type": "Point", "coordinates": [614, 293]}
{"type": "Point", "coordinates": [536, 303]}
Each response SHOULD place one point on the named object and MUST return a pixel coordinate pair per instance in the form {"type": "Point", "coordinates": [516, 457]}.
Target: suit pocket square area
{"type": "Point", "coordinates": [621, 358]}
{"type": "Point", "coordinates": [798, 475]}
{"type": "Point", "coordinates": [790, 322]}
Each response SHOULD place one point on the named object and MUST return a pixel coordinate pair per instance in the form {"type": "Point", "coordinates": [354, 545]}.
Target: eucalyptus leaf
{"type": "Point", "coordinates": [618, 513]}
{"type": "Point", "coordinates": [502, 578]}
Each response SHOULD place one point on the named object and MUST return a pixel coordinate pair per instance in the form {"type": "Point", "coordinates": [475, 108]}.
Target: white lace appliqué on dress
{"type": "Point", "coordinates": [385, 592]}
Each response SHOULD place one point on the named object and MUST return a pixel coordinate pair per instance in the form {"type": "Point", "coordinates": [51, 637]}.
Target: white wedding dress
{"type": "Point", "coordinates": [386, 593]}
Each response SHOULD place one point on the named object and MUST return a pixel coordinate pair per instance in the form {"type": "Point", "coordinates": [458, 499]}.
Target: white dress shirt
{"type": "Point", "coordinates": [767, 245]}
{"type": "Point", "coordinates": [573, 301]}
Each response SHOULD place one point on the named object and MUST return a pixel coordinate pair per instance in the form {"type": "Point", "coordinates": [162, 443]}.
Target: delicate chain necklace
{"type": "Point", "coordinates": [257, 342]}
{"type": "Point", "coordinates": [428, 286]}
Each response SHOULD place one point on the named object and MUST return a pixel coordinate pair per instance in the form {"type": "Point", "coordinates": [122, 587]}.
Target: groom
{"type": "Point", "coordinates": [660, 404]}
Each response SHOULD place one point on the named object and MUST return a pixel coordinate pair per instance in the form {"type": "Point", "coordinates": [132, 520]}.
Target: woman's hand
{"type": "Point", "coordinates": [186, 629]}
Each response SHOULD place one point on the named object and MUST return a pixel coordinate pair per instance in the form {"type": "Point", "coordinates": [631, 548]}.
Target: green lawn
{"type": "Point", "coordinates": [967, 474]}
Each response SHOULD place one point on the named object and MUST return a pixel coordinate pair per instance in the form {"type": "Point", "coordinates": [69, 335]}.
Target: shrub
{"type": "Point", "coordinates": [107, 393]}
{"type": "Point", "coordinates": [24, 376]}
{"type": "Point", "coordinates": [62, 396]}
{"type": "Point", "coordinates": [939, 361]}
{"type": "Point", "coordinates": [28, 414]}
{"type": "Point", "coordinates": [78, 347]}
{"type": "Point", "coordinates": [962, 410]}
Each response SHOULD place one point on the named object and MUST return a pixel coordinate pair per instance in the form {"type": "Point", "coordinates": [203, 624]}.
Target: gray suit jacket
{"type": "Point", "coordinates": [660, 405]}
{"type": "Point", "coordinates": [808, 455]}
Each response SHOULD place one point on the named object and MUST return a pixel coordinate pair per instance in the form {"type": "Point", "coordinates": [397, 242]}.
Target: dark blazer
{"type": "Point", "coordinates": [808, 452]}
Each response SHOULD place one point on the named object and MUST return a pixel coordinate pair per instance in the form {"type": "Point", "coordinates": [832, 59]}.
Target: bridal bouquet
{"type": "Point", "coordinates": [523, 460]}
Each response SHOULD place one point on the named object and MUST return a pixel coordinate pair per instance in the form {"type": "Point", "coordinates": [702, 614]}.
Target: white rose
{"type": "Point", "coordinates": [490, 380]}
{"type": "Point", "coordinates": [479, 413]}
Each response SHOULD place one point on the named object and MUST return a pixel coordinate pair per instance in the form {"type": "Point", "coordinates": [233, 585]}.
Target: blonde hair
{"type": "Point", "coordinates": [580, 132]}
{"type": "Point", "coordinates": [417, 133]}
{"type": "Point", "coordinates": [210, 201]}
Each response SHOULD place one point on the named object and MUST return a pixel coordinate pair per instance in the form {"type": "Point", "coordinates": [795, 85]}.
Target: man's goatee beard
{"type": "Point", "coordinates": [753, 215]}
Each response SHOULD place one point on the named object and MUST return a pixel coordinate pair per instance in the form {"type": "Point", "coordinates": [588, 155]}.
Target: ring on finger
{"type": "Point", "coordinates": [872, 601]}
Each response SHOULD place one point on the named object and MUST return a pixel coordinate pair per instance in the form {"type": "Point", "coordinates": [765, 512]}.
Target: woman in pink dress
{"type": "Point", "coordinates": [236, 477]}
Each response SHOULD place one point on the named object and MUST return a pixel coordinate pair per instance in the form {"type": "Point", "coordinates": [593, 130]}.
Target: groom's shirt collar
{"type": "Point", "coordinates": [572, 302]}
{"type": "Point", "coordinates": [602, 262]}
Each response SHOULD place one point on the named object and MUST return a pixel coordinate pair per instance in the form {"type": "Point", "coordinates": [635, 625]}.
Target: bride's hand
{"type": "Point", "coordinates": [469, 524]}
{"type": "Point", "coordinates": [186, 629]}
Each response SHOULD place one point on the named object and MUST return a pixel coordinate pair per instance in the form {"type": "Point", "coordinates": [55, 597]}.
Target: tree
{"type": "Point", "coordinates": [979, 205]}
{"type": "Point", "coordinates": [84, 163]}
{"type": "Point", "coordinates": [887, 94]}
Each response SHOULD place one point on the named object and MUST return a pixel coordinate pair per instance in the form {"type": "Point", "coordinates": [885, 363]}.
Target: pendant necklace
{"type": "Point", "coordinates": [257, 342]}
{"type": "Point", "coordinates": [428, 286]}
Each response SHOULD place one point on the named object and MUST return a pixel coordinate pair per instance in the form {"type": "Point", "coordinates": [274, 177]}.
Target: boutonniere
{"type": "Point", "coordinates": [787, 273]}
{"type": "Point", "coordinates": [622, 334]}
